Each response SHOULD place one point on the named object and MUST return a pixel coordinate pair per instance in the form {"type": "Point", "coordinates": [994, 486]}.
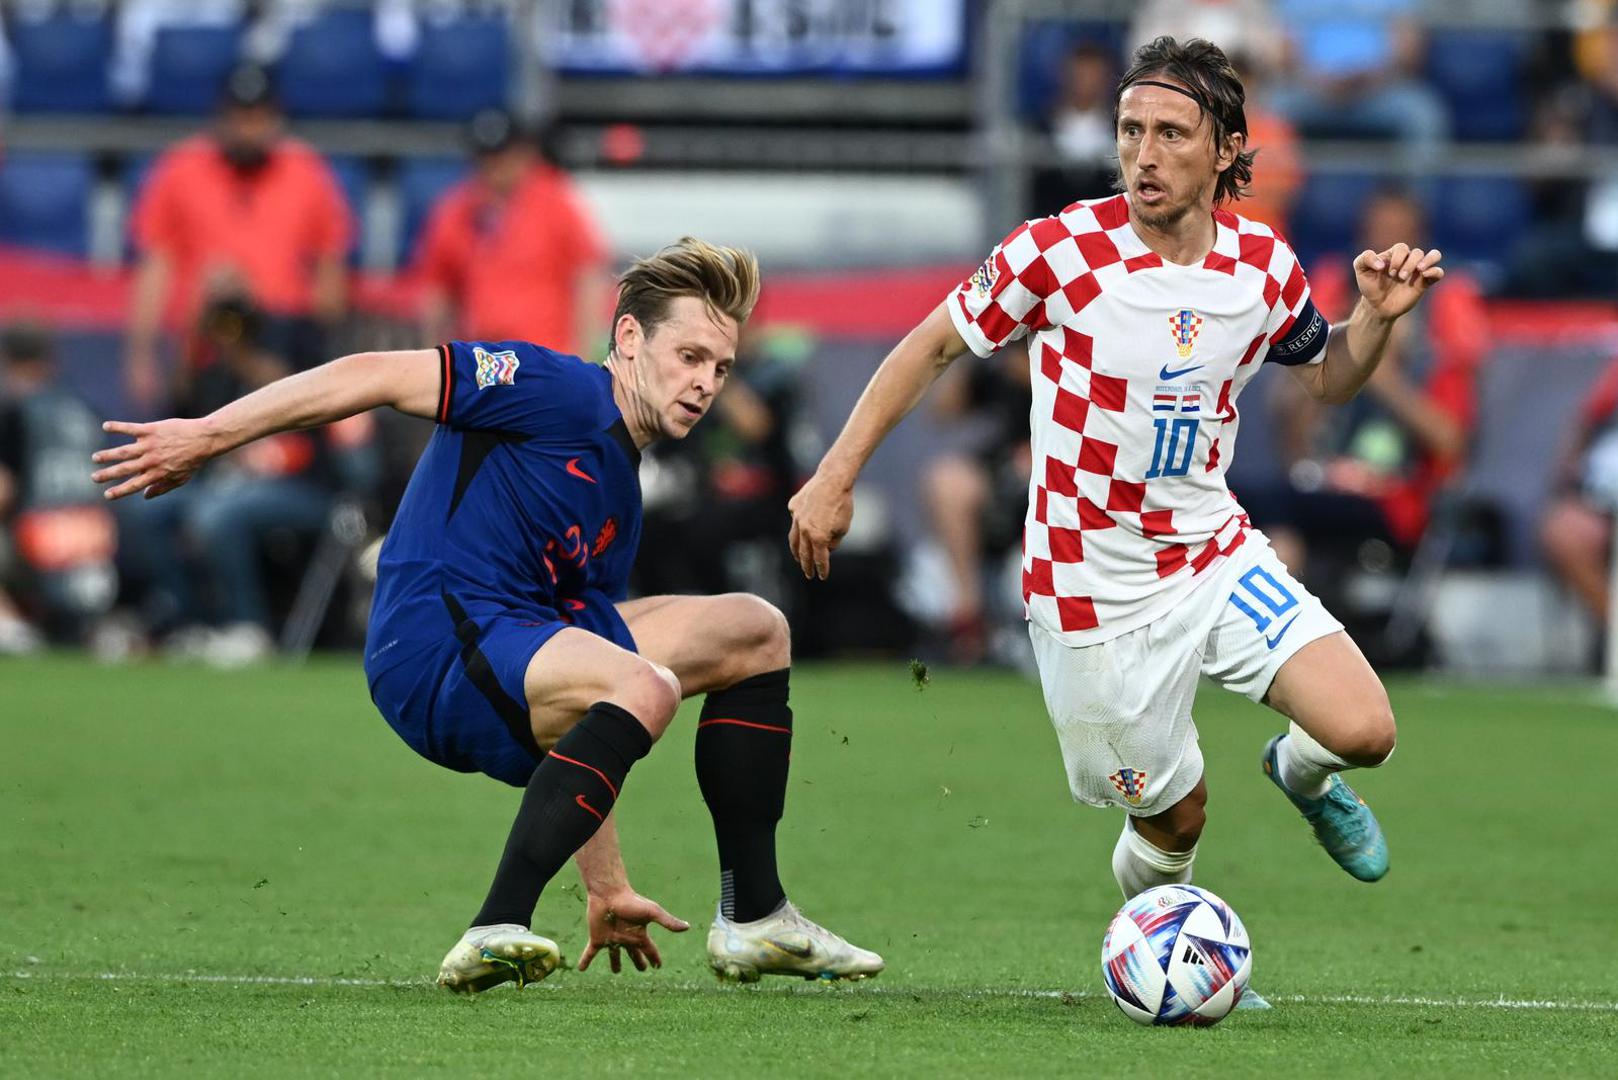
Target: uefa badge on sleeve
{"type": "Point", "coordinates": [495, 368]}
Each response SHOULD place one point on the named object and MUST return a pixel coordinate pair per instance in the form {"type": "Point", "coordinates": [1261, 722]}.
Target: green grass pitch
{"type": "Point", "coordinates": [248, 874]}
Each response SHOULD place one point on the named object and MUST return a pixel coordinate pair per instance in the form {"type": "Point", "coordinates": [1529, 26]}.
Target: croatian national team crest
{"type": "Point", "coordinates": [1186, 324]}
{"type": "Point", "coordinates": [495, 368]}
{"type": "Point", "coordinates": [1131, 784]}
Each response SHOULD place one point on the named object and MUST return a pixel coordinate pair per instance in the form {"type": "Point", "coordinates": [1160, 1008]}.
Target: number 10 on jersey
{"type": "Point", "coordinates": [1175, 445]}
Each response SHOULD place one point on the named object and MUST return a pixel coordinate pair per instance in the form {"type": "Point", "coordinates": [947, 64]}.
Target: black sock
{"type": "Point", "coordinates": [568, 797]}
{"type": "Point", "coordinates": [744, 746]}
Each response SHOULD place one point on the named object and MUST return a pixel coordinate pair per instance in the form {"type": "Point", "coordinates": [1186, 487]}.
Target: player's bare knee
{"type": "Point", "coordinates": [652, 696]}
{"type": "Point", "coordinates": [1371, 740]}
{"type": "Point", "coordinates": [771, 637]}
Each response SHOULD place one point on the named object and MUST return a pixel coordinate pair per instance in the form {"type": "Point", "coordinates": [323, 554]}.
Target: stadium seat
{"type": "Point", "coordinates": [1480, 218]}
{"type": "Point", "coordinates": [1325, 219]}
{"type": "Point", "coordinates": [189, 65]}
{"type": "Point", "coordinates": [1479, 73]}
{"type": "Point", "coordinates": [421, 182]}
{"type": "Point", "coordinates": [460, 67]}
{"type": "Point", "coordinates": [332, 67]}
{"type": "Point", "coordinates": [44, 201]}
{"type": "Point", "coordinates": [60, 63]}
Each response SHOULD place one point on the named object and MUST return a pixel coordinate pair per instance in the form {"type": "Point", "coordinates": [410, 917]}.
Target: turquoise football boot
{"type": "Point", "coordinates": [1343, 824]}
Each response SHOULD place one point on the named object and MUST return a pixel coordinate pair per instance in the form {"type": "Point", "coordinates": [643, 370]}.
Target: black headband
{"type": "Point", "coordinates": [1170, 86]}
{"type": "Point", "coordinates": [1241, 115]}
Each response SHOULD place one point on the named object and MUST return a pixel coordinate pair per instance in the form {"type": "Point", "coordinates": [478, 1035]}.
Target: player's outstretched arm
{"type": "Point", "coordinates": [1391, 283]}
{"type": "Point", "coordinates": [167, 453]}
{"type": "Point", "coordinates": [617, 915]}
{"type": "Point", "coordinates": [823, 508]}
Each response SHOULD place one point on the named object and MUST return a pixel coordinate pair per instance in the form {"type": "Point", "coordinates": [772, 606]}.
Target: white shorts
{"type": "Point", "coordinates": [1122, 708]}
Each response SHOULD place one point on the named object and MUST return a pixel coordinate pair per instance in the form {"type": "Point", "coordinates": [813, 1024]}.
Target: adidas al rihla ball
{"type": "Point", "coordinates": [1176, 954]}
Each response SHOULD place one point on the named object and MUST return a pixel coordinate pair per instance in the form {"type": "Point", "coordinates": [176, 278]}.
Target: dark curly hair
{"type": "Point", "coordinates": [1204, 69]}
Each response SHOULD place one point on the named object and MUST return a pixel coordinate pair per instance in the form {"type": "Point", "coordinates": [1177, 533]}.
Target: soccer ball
{"type": "Point", "coordinates": [1176, 954]}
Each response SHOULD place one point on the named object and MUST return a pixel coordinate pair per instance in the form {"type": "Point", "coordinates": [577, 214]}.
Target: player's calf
{"type": "Point", "coordinates": [1159, 849]}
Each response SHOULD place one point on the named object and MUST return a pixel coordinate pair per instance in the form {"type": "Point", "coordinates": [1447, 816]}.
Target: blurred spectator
{"type": "Point", "coordinates": [59, 532]}
{"type": "Point", "coordinates": [1576, 530]}
{"type": "Point", "coordinates": [201, 551]}
{"type": "Point", "coordinates": [244, 205]}
{"type": "Point", "coordinates": [716, 501]}
{"type": "Point", "coordinates": [1355, 71]}
{"type": "Point", "coordinates": [512, 253]}
{"type": "Point", "coordinates": [1081, 132]}
{"type": "Point", "coordinates": [1369, 470]}
{"type": "Point", "coordinates": [976, 492]}
{"type": "Point", "coordinates": [1278, 170]}
{"type": "Point", "coordinates": [1572, 248]}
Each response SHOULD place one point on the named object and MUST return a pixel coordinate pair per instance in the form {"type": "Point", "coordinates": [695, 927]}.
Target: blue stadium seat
{"type": "Point", "coordinates": [44, 200]}
{"type": "Point", "coordinates": [60, 63]}
{"type": "Point", "coordinates": [421, 182]}
{"type": "Point", "coordinates": [460, 67]}
{"type": "Point", "coordinates": [332, 67]}
{"type": "Point", "coordinates": [1325, 220]}
{"type": "Point", "coordinates": [189, 65]}
{"type": "Point", "coordinates": [1479, 73]}
{"type": "Point", "coordinates": [354, 177]}
{"type": "Point", "coordinates": [1480, 218]}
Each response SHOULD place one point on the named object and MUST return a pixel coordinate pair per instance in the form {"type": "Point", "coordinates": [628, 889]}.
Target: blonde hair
{"type": "Point", "coordinates": [726, 279]}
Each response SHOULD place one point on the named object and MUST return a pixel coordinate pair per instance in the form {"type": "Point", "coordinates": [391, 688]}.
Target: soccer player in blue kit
{"type": "Point", "coordinates": [501, 640]}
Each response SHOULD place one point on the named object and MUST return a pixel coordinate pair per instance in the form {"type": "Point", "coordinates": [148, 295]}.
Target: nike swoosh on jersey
{"type": "Point", "coordinates": [1272, 642]}
{"type": "Point", "coordinates": [1166, 375]}
{"type": "Point", "coordinates": [573, 468]}
{"type": "Point", "coordinates": [802, 952]}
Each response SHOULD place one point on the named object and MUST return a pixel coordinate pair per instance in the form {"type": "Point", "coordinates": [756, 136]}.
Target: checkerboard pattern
{"type": "Point", "coordinates": [1104, 546]}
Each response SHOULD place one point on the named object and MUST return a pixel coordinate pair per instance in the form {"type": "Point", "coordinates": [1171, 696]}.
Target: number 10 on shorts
{"type": "Point", "coordinates": [1262, 598]}
{"type": "Point", "coordinates": [1171, 453]}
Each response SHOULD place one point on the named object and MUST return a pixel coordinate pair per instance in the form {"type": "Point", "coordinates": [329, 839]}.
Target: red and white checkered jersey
{"type": "Point", "coordinates": [1136, 366]}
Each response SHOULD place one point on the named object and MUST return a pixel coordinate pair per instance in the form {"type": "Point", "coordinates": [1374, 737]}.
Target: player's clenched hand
{"type": "Point", "coordinates": [1392, 281]}
{"type": "Point", "coordinates": [618, 923]}
{"type": "Point", "coordinates": [821, 512]}
{"type": "Point", "coordinates": [164, 455]}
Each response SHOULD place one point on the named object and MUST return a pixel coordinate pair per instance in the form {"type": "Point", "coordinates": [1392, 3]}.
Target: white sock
{"type": "Point", "coordinates": [1139, 864]}
{"type": "Point", "coordinates": [1305, 765]}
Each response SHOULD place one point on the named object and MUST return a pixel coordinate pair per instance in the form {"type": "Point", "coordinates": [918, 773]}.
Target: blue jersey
{"type": "Point", "coordinates": [526, 502]}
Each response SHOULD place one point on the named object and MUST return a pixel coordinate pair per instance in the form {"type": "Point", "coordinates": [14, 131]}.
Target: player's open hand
{"type": "Point", "coordinates": [821, 513]}
{"type": "Point", "coordinates": [1392, 281]}
{"type": "Point", "coordinates": [618, 923]}
{"type": "Point", "coordinates": [164, 455]}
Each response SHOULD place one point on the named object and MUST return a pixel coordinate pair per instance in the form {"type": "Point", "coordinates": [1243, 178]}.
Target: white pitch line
{"type": "Point", "coordinates": [1296, 999]}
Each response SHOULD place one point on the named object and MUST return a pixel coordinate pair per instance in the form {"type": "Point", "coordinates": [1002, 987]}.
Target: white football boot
{"type": "Point", "coordinates": [785, 943]}
{"type": "Point", "coordinates": [487, 956]}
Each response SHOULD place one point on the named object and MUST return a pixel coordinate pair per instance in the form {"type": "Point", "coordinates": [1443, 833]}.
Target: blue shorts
{"type": "Point", "coordinates": [454, 690]}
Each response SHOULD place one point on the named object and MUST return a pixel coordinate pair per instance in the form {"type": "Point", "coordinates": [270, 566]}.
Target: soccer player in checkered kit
{"type": "Point", "coordinates": [501, 640]}
{"type": "Point", "coordinates": [1144, 315]}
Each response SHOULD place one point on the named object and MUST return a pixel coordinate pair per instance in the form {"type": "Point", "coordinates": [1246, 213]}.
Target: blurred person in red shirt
{"type": "Point", "coordinates": [512, 253]}
{"type": "Point", "coordinates": [243, 204]}
{"type": "Point", "coordinates": [1370, 470]}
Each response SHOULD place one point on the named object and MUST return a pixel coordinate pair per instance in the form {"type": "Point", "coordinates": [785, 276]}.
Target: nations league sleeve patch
{"type": "Point", "coordinates": [983, 279]}
{"type": "Point", "coordinates": [495, 368]}
{"type": "Point", "coordinates": [1304, 341]}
